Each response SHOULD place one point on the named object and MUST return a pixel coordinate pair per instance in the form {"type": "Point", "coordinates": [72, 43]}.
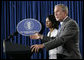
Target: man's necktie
{"type": "Point", "coordinates": [59, 27]}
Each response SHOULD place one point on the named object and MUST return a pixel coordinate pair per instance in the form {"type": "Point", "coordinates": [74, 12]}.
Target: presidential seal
{"type": "Point", "coordinates": [28, 27]}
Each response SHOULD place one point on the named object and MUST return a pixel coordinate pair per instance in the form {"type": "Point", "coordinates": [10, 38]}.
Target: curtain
{"type": "Point", "coordinates": [12, 12]}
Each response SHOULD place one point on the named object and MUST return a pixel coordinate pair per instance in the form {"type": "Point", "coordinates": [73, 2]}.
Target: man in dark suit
{"type": "Point", "coordinates": [67, 37]}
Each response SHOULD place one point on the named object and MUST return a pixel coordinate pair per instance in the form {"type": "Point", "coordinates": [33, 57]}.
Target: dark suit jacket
{"type": "Point", "coordinates": [67, 37]}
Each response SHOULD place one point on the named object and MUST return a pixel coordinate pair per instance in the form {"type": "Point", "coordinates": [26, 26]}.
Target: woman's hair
{"type": "Point", "coordinates": [55, 23]}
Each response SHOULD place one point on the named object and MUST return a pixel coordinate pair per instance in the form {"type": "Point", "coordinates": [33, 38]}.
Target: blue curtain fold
{"type": "Point", "coordinates": [12, 12]}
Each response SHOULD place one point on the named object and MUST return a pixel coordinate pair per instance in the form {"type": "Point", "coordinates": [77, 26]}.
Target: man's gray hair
{"type": "Point", "coordinates": [64, 8]}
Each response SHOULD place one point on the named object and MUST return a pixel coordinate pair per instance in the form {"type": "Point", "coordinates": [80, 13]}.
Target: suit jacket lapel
{"type": "Point", "coordinates": [63, 24]}
{"type": "Point", "coordinates": [66, 20]}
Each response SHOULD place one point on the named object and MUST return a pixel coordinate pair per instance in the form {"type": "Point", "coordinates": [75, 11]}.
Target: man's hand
{"type": "Point", "coordinates": [35, 48]}
{"type": "Point", "coordinates": [35, 36]}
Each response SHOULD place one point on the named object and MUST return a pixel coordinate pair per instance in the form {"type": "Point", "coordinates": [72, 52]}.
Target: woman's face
{"type": "Point", "coordinates": [48, 23]}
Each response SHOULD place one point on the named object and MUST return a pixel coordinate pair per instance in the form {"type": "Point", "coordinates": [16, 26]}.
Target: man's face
{"type": "Point", "coordinates": [59, 14]}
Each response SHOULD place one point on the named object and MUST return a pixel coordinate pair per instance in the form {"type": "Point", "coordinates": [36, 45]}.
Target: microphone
{"type": "Point", "coordinates": [11, 36]}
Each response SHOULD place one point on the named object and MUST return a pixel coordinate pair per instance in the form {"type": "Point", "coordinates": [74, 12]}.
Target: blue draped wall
{"type": "Point", "coordinates": [13, 12]}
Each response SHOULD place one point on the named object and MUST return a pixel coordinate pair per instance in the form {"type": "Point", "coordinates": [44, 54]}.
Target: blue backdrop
{"type": "Point", "coordinates": [13, 12]}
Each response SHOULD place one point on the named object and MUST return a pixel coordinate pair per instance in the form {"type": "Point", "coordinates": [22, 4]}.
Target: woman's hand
{"type": "Point", "coordinates": [35, 36]}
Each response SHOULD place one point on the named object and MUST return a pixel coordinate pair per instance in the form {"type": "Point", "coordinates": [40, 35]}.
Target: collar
{"type": "Point", "coordinates": [63, 20]}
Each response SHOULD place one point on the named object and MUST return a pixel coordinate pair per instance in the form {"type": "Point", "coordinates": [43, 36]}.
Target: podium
{"type": "Point", "coordinates": [16, 51]}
